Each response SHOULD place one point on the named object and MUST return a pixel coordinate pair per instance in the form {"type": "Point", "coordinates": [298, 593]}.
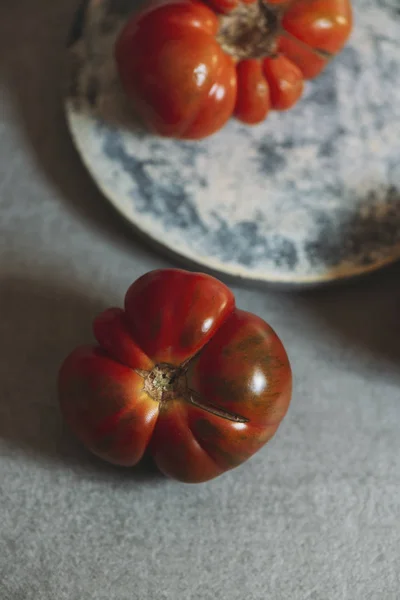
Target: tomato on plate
{"type": "Point", "coordinates": [189, 66]}
{"type": "Point", "coordinates": [180, 372]}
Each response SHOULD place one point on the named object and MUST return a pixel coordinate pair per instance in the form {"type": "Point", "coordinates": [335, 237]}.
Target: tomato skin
{"type": "Point", "coordinates": [111, 331]}
{"type": "Point", "coordinates": [103, 403]}
{"type": "Point", "coordinates": [247, 345]}
{"type": "Point", "coordinates": [185, 83]}
{"type": "Point", "coordinates": [310, 63]}
{"type": "Point", "coordinates": [253, 97]}
{"type": "Point", "coordinates": [285, 82]}
{"type": "Point", "coordinates": [174, 330]}
{"type": "Point", "coordinates": [321, 24]}
{"type": "Point", "coordinates": [221, 396]}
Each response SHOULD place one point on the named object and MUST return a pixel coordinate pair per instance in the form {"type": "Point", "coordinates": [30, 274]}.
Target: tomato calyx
{"type": "Point", "coordinates": [250, 31]}
{"type": "Point", "coordinates": [164, 382]}
{"type": "Point", "coordinates": [167, 382]}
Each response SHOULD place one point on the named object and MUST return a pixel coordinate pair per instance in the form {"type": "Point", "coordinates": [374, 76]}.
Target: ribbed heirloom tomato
{"type": "Point", "coordinates": [181, 372]}
{"type": "Point", "coordinates": [188, 66]}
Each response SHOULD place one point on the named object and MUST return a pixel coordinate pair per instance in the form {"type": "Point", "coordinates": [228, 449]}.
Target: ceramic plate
{"type": "Point", "coordinates": [309, 196]}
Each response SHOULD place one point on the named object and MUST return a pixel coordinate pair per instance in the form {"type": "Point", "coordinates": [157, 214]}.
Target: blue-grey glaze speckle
{"type": "Point", "coordinates": [311, 195]}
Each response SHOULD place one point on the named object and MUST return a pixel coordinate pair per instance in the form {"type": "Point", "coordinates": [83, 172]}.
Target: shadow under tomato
{"type": "Point", "coordinates": [40, 324]}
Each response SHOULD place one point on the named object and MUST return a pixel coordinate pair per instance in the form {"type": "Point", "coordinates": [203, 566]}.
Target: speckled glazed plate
{"type": "Point", "coordinates": [309, 196]}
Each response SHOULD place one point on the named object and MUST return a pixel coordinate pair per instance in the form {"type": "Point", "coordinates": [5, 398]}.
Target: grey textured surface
{"type": "Point", "coordinates": [308, 196]}
{"type": "Point", "coordinates": [314, 516]}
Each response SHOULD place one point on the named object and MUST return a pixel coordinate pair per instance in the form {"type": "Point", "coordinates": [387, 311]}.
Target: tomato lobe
{"type": "Point", "coordinates": [285, 82]}
{"type": "Point", "coordinates": [253, 98]}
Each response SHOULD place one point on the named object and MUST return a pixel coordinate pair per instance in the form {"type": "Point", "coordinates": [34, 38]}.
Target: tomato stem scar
{"type": "Point", "coordinates": [167, 382]}
{"type": "Point", "coordinates": [250, 30]}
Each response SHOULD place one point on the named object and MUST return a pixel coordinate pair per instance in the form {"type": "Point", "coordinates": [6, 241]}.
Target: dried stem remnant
{"type": "Point", "coordinates": [250, 31]}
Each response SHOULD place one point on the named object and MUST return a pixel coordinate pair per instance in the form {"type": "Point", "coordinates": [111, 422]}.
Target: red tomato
{"type": "Point", "coordinates": [181, 372]}
{"type": "Point", "coordinates": [188, 67]}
